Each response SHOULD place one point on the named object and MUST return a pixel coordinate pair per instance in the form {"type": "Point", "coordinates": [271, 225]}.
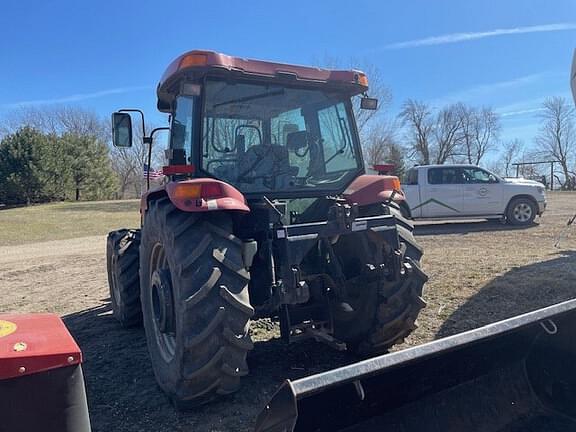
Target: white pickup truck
{"type": "Point", "coordinates": [467, 191]}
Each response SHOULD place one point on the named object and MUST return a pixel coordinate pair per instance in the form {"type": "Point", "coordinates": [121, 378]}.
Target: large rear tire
{"type": "Point", "coordinates": [195, 303]}
{"type": "Point", "coordinates": [122, 249]}
{"type": "Point", "coordinates": [384, 312]}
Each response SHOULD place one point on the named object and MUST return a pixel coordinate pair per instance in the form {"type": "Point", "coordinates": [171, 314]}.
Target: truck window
{"type": "Point", "coordinates": [477, 175]}
{"type": "Point", "coordinates": [411, 177]}
{"type": "Point", "coordinates": [448, 175]}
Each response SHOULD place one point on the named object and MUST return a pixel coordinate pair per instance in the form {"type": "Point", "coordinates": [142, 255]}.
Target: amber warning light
{"type": "Point", "coordinates": [184, 191]}
{"type": "Point", "coordinates": [194, 59]}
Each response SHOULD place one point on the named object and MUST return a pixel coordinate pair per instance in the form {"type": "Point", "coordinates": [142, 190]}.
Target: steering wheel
{"type": "Point", "coordinates": [304, 153]}
{"type": "Point", "coordinates": [261, 153]}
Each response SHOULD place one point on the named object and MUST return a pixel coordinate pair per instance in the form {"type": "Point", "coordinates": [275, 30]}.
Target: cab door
{"type": "Point", "coordinates": [482, 192]}
{"type": "Point", "coordinates": [442, 195]}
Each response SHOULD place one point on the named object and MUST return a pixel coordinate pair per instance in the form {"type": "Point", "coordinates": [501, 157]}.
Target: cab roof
{"type": "Point", "coordinates": [194, 65]}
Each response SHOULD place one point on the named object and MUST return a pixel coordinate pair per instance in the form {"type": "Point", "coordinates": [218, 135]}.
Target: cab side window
{"type": "Point", "coordinates": [449, 175]}
{"type": "Point", "coordinates": [182, 130]}
{"type": "Point", "coordinates": [477, 175]}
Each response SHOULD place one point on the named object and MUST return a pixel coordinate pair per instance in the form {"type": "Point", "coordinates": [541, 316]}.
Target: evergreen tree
{"type": "Point", "coordinates": [37, 167]}
{"type": "Point", "coordinates": [89, 174]}
{"type": "Point", "coordinates": [21, 155]}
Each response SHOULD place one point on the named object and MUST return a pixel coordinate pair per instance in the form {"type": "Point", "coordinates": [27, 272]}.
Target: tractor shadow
{"type": "Point", "coordinates": [520, 290]}
{"type": "Point", "coordinates": [123, 394]}
{"type": "Point", "coordinates": [458, 227]}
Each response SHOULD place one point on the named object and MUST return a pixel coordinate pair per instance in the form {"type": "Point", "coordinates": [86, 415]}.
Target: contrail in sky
{"type": "Point", "coordinates": [76, 97]}
{"type": "Point", "coordinates": [468, 36]}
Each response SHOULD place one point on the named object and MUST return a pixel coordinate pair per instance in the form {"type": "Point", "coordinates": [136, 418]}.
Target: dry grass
{"type": "Point", "coordinates": [479, 273]}
{"type": "Point", "coordinates": [482, 272]}
{"type": "Point", "coordinates": [65, 220]}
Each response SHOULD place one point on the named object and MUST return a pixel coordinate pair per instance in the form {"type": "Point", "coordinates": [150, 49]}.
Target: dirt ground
{"type": "Point", "coordinates": [479, 273]}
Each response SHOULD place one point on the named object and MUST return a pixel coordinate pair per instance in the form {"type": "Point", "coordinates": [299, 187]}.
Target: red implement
{"type": "Point", "coordinates": [41, 381]}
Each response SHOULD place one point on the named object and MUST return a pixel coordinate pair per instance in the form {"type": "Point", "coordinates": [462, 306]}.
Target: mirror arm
{"type": "Point", "coordinates": [148, 140]}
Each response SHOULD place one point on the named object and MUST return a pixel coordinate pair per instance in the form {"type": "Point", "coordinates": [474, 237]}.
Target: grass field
{"type": "Point", "coordinates": [65, 220]}
{"type": "Point", "coordinates": [52, 259]}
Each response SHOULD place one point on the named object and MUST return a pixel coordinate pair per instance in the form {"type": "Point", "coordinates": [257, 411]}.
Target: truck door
{"type": "Point", "coordinates": [441, 196]}
{"type": "Point", "coordinates": [412, 192]}
{"type": "Point", "coordinates": [482, 193]}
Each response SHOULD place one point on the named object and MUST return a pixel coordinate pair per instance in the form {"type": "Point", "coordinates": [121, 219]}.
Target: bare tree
{"type": "Point", "coordinates": [56, 120]}
{"type": "Point", "coordinates": [377, 144]}
{"type": "Point", "coordinates": [480, 131]}
{"type": "Point", "coordinates": [383, 147]}
{"type": "Point", "coordinates": [447, 133]}
{"type": "Point", "coordinates": [557, 136]}
{"type": "Point", "coordinates": [511, 150]}
{"type": "Point", "coordinates": [455, 132]}
{"type": "Point", "coordinates": [416, 117]}
{"type": "Point", "coordinates": [128, 163]}
{"type": "Point", "coordinates": [366, 119]}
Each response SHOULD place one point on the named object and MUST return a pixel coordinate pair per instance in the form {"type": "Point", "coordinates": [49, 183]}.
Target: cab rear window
{"type": "Point", "coordinates": [411, 177]}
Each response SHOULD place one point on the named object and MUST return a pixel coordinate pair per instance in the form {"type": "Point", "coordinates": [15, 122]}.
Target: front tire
{"type": "Point", "coordinates": [195, 303]}
{"type": "Point", "coordinates": [521, 212]}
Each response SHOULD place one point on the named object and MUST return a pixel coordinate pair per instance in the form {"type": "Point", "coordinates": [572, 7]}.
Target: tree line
{"type": "Point", "coordinates": [65, 153]}
{"type": "Point", "coordinates": [460, 133]}
{"type": "Point", "coordinates": [40, 167]}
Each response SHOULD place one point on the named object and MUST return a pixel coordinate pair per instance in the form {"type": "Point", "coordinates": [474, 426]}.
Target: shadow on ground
{"type": "Point", "coordinates": [522, 289]}
{"type": "Point", "coordinates": [123, 395]}
{"type": "Point", "coordinates": [452, 227]}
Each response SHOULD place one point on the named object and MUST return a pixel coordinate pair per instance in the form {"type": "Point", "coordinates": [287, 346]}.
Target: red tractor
{"type": "Point", "coordinates": [265, 212]}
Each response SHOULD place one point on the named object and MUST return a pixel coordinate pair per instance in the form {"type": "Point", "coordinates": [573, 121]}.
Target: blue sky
{"type": "Point", "coordinates": [107, 55]}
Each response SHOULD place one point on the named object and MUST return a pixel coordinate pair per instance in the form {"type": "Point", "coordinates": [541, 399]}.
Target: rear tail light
{"type": "Point", "coordinates": [187, 191]}
{"type": "Point", "coordinates": [211, 190]}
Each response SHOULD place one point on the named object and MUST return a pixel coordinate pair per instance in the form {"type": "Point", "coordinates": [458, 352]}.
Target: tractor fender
{"type": "Point", "coordinates": [198, 195]}
{"type": "Point", "coordinates": [371, 189]}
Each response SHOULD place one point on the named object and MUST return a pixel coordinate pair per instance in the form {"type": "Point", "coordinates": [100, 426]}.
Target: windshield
{"type": "Point", "coordinates": [268, 138]}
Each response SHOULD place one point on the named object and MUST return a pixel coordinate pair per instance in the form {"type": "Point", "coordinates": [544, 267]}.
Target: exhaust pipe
{"type": "Point", "coordinates": [514, 375]}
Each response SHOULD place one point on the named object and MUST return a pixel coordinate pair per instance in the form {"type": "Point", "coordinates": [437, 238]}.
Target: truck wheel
{"type": "Point", "coordinates": [383, 312]}
{"type": "Point", "coordinates": [521, 212]}
{"type": "Point", "coordinates": [122, 249]}
{"type": "Point", "coordinates": [195, 303]}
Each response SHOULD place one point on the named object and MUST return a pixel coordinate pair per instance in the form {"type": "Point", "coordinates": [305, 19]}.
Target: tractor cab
{"type": "Point", "coordinates": [267, 129]}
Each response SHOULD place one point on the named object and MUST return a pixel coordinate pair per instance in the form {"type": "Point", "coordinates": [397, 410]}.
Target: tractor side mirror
{"type": "Point", "coordinates": [368, 103]}
{"type": "Point", "coordinates": [121, 129]}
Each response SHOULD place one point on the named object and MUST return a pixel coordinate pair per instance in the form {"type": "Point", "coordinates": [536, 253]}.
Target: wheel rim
{"type": "Point", "coordinates": [522, 212]}
{"type": "Point", "coordinates": [162, 303]}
